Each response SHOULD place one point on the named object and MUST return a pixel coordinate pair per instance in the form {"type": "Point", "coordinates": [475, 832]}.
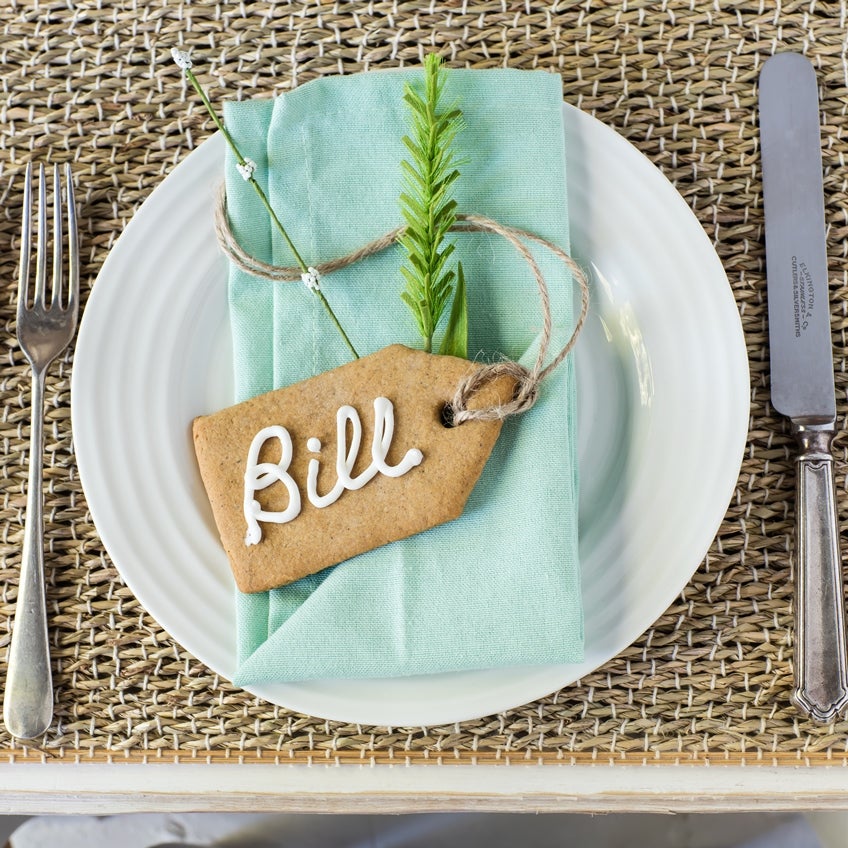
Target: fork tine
{"type": "Point", "coordinates": [26, 242]}
{"type": "Point", "coordinates": [73, 243]}
{"type": "Point", "coordinates": [57, 239]}
{"type": "Point", "coordinates": [41, 244]}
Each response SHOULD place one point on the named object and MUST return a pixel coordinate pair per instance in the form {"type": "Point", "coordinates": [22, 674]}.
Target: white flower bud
{"type": "Point", "coordinates": [246, 169]}
{"type": "Point", "coordinates": [181, 57]}
{"type": "Point", "coordinates": [311, 279]}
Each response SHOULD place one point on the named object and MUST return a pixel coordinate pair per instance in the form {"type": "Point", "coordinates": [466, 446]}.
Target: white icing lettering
{"type": "Point", "coordinates": [261, 475]}
{"type": "Point", "coordinates": [384, 430]}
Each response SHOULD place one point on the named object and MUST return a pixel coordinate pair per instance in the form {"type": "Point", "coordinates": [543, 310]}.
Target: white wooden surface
{"type": "Point", "coordinates": [32, 788]}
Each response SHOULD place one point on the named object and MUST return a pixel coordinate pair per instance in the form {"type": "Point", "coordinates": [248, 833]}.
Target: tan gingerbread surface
{"type": "Point", "coordinates": [278, 526]}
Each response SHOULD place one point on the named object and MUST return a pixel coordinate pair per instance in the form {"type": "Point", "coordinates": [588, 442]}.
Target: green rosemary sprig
{"type": "Point", "coordinates": [430, 212]}
{"type": "Point", "coordinates": [246, 168]}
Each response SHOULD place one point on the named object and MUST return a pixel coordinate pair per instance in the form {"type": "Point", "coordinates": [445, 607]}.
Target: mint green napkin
{"type": "Point", "coordinates": [500, 586]}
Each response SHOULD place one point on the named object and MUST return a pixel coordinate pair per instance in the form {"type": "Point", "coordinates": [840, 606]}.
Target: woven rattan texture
{"type": "Point", "coordinates": [90, 81]}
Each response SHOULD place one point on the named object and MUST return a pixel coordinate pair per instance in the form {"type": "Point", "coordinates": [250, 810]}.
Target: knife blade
{"type": "Point", "coordinates": [802, 379]}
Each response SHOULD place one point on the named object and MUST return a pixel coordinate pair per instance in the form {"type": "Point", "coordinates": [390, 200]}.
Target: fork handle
{"type": "Point", "coordinates": [28, 697]}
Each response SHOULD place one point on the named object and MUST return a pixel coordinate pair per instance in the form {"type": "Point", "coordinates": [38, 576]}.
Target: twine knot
{"type": "Point", "coordinates": [525, 393]}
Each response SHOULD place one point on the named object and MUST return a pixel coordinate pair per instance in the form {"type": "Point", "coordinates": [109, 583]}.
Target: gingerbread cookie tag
{"type": "Point", "coordinates": [309, 475]}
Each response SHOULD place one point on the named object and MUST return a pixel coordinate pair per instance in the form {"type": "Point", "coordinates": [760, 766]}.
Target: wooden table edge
{"type": "Point", "coordinates": [101, 788]}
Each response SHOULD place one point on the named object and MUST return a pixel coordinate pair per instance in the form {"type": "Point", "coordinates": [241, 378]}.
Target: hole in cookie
{"type": "Point", "coordinates": [447, 416]}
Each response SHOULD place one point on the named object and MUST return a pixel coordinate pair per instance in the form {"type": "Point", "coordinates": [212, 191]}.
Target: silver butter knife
{"type": "Point", "coordinates": [802, 383]}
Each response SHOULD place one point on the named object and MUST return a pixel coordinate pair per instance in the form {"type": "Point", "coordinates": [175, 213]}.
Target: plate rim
{"type": "Point", "coordinates": [425, 716]}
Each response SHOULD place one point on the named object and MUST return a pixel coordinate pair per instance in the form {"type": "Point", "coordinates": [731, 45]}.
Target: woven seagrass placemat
{"type": "Point", "coordinates": [91, 82]}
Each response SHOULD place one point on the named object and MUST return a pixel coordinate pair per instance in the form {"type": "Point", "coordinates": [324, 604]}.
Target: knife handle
{"type": "Point", "coordinates": [821, 677]}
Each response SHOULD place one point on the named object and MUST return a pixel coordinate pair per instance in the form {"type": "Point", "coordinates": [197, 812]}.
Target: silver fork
{"type": "Point", "coordinates": [45, 328]}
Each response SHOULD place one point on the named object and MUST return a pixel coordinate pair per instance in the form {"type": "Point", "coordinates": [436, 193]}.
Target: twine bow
{"type": "Point", "coordinates": [527, 380]}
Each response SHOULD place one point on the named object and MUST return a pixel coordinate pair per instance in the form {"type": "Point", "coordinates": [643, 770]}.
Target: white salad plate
{"type": "Point", "coordinates": [663, 403]}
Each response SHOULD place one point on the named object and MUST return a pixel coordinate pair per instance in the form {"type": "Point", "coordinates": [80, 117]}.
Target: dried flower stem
{"type": "Point", "coordinates": [182, 60]}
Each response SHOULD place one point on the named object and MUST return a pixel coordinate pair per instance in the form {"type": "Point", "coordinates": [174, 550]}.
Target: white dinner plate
{"type": "Point", "coordinates": [663, 412]}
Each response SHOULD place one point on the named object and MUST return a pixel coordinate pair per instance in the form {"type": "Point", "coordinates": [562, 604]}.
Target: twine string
{"type": "Point", "coordinates": [527, 380]}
